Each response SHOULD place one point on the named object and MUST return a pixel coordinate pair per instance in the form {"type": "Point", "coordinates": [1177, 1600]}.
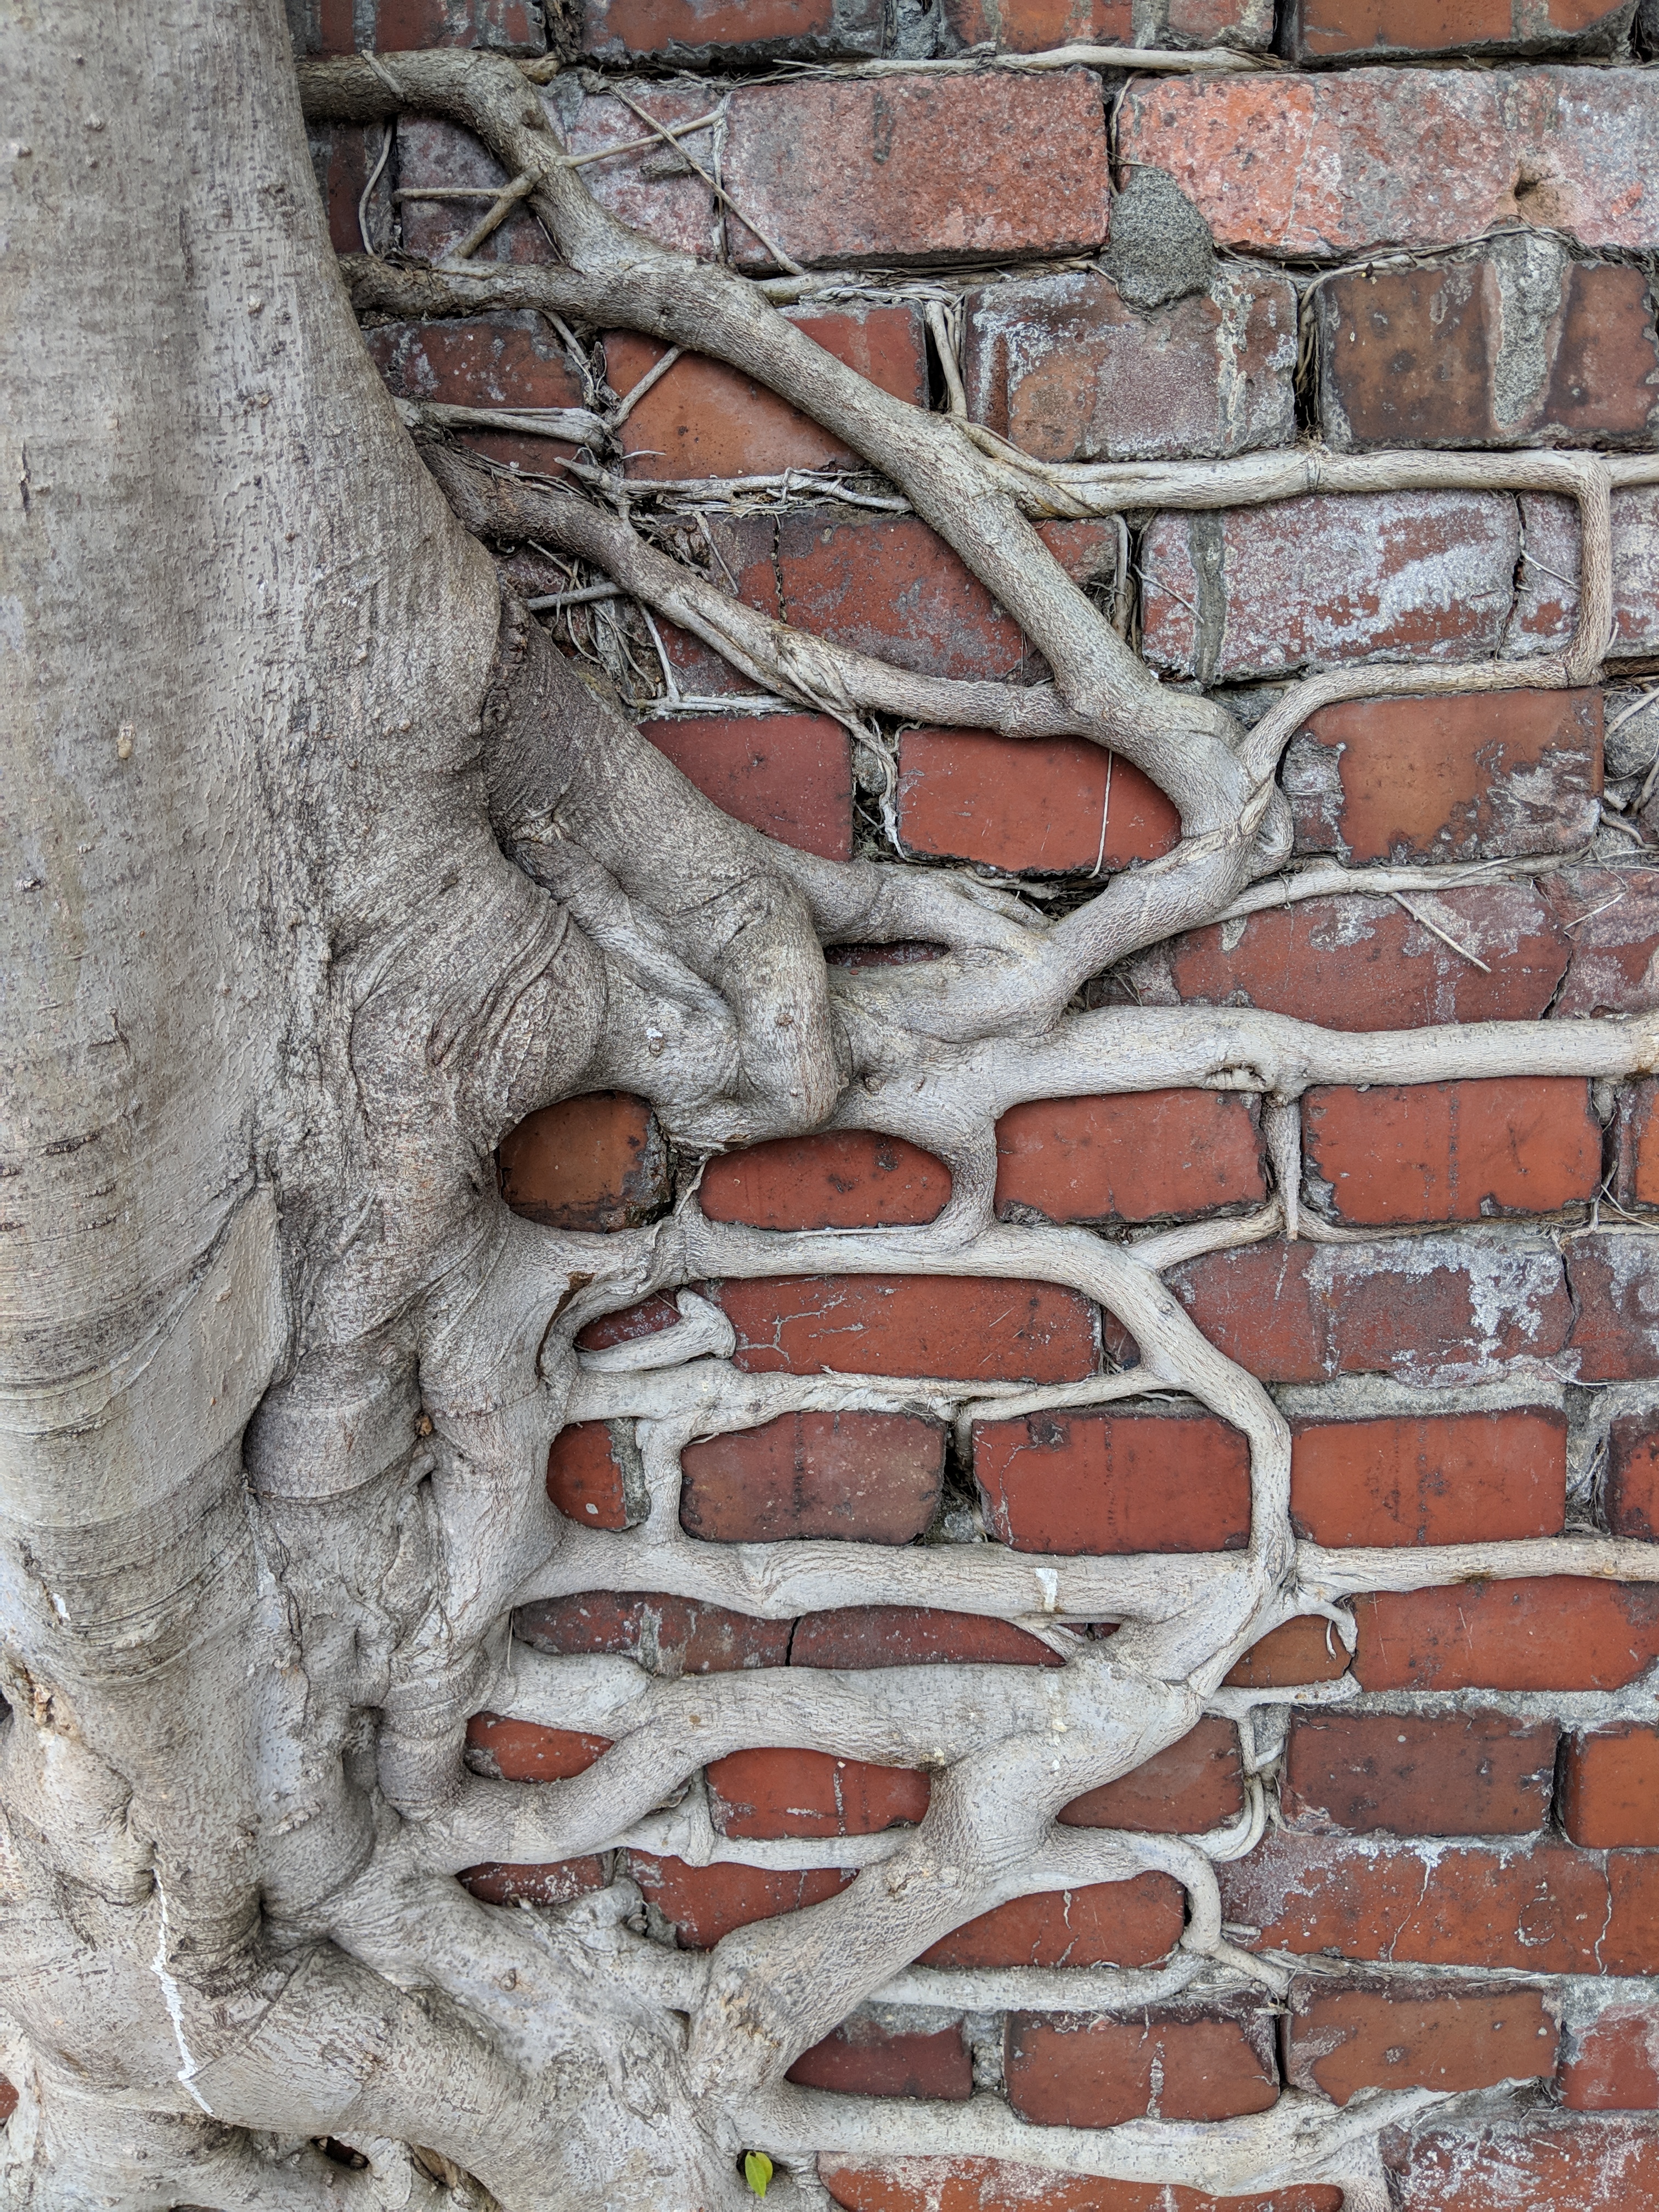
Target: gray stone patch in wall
{"type": "Point", "coordinates": [1159, 247]}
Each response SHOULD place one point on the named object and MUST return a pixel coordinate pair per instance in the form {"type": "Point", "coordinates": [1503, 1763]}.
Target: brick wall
{"type": "Point", "coordinates": [1461, 1862]}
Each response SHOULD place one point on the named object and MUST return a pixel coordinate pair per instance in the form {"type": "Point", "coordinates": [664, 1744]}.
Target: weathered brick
{"type": "Point", "coordinates": [7, 2099]}
{"type": "Point", "coordinates": [871, 1478]}
{"type": "Point", "coordinates": [1430, 1312]}
{"type": "Point", "coordinates": [1321, 166]}
{"type": "Point", "coordinates": [1132, 1157]}
{"type": "Point", "coordinates": [855, 1636]}
{"type": "Point", "coordinates": [1431, 1479]}
{"type": "Point", "coordinates": [1069, 370]}
{"type": "Point", "coordinates": [669, 1635]}
{"type": "Point", "coordinates": [1113, 1923]}
{"type": "Point", "coordinates": [584, 1477]}
{"type": "Point", "coordinates": [789, 775]}
{"type": "Point", "coordinates": [917, 170]}
{"type": "Point", "coordinates": [1342, 2042]}
{"type": "Point", "coordinates": [433, 154]}
{"type": "Point", "coordinates": [1567, 2165]}
{"type": "Point", "coordinates": [1317, 30]}
{"type": "Point", "coordinates": [1611, 2063]}
{"type": "Point", "coordinates": [840, 1179]}
{"type": "Point", "coordinates": [1610, 1790]}
{"type": "Point", "coordinates": [1031, 26]}
{"type": "Point", "coordinates": [1547, 600]}
{"type": "Point", "coordinates": [1306, 1649]}
{"type": "Point", "coordinates": [983, 2184]}
{"type": "Point", "coordinates": [702, 418]}
{"type": "Point", "coordinates": [1632, 1477]}
{"type": "Point", "coordinates": [1263, 591]}
{"type": "Point", "coordinates": [1544, 1908]}
{"type": "Point", "coordinates": [1631, 1945]}
{"type": "Point", "coordinates": [1072, 2070]}
{"type": "Point", "coordinates": [731, 30]}
{"type": "Point", "coordinates": [1464, 1774]}
{"type": "Point", "coordinates": [970, 1327]}
{"type": "Point", "coordinates": [596, 1162]}
{"type": "Point", "coordinates": [1106, 1483]}
{"type": "Point", "coordinates": [482, 360]}
{"type": "Point", "coordinates": [344, 27]}
{"type": "Point", "coordinates": [1553, 1632]}
{"type": "Point", "coordinates": [705, 1903]}
{"type": "Point", "coordinates": [650, 1317]}
{"type": "Point", "coordinates": [554, 1883]}
{"type": "Point", "coordinates": [1419, 358]}
{"type": "Point", "coordinates": [1636, 1171]}
{"type": "Point", "coordinates": [1610, 919]}
{"type": "Point", "coordinates": [863, 2058]}
{"type": "Point", "coordinates": [1043, 806]}
{"type": "Point", "coordinates": [809, 1793]}
{"type": "Point", "coordinates": [1365, 963]}
{"type": "Point", "coordinates": [1490, 775]}
{"type": "Point", "coordinates": [1452, 1151]}
{"type": "Point", "coordinates": [344, 157]}
{"type": "Point", "coordinates": [1187, 1789]}
{"type": "Point", "coordinates": [1615, 1289]}
{"type": "Point", "coordinates": [523, 1750]}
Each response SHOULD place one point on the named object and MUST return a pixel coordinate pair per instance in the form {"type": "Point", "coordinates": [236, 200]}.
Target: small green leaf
{"type": "Point", "coordinates": [757, 2171]}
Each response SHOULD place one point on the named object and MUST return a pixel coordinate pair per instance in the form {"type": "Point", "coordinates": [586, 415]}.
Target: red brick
{"type": "Point", "coordinates": [1069, 370]}
{"type": "Point", "coordinates": [972, 1327]}
{"type": "Point", "coordinates": [1610, 1793]}
{"type": "Point", "coordinates": [648, 1318]}
{"type": "Point", "coordinates": [840, 1179]}
{"type": "Point", "coordinates": [1107, 1483]}
{"type": "Point", "coordinates": [1546, 600]}
{"type": "Point", "coordinates": [1068, 2071]}
{"type": "Point", "coordinates": [917, 170]}
{"type": "Point", "coordinates": [705, 1903]}
{"type": "Point", "coordinates": [1631, 1945]}
{"type": "Point", "coordinates": [809, 1793]}
{"type": "Point", "coordinates": [1611, 2064]}
{"type": "Point", "coordinates": [702, 418]}
{"type": "Point", "coordinates": [788, 775]}
{"type": "Point", "coordinates": [870, 1478]}
{"type": "Point", "coordinates": [1567, 2166]}
{"type": "Point", "coordinates": [857, 1636]}
{"type": "Point", "coordinates": [523, 1750]}
{"type": "Point", "coordinates": [1263, 591]}
{"type": "Point", "coordinates": [555, 1883]}
{"type": "Point", "coordinates": [886, 585]}
{"type": "Point", "coordinates": [1632, 1477]}
{"type": "Point", "coordinates": [432, 153]}
{"type": "Point", "coordinates": [1185, 1790]}
{"type": "Point", "coordinates": [1636, 1174]}
{"type": "Point", "coordinates": [344, 157]}
{"type": "Point", "coordinates": [584, 1474]}
{"type": "Point", "coordinates": [1488, 776]}
{"type": "Point", "coordinates": [1431, 1479]}
{"type": "Point", "coordinates": [1543, 1909]}
{"type": "Point", "coordinates": [1430, 1310]}
{"type": "Point", "coordinates": [1342, 2042]}
{"type": "Point", "coordinates": [694, 30]}
{"type": "Point", "coordinates": [1129, 1158]}
{"type": "Point", "coordinates": [1466, 1774]}
{"type": "Point", "coordinates": [1318, 166]}
{"type": "Point", "coordinates": [1615, 1338]}
{"type": "Point", "coordinates": [671, 1635]}
{"type": "Point", "coordinates": [983, 2184]}
{"type": "Point", "coordinates": [1365, 963]}
{"type": "Point", "coordinates": [1317, 29]}
{"type": "Point", "coordinates": [1453, 1151]}
{"type": "Point", "coordinates": [597, 1161]}
{"type": "Point", "coordinates": [401, 26]}
{"type": "Point", "coordinates": [863, 2059]}
{"type": "Point", "coordinates": [1410, 356]}
{"type": "Point", "coordinates": [1034, 26]}
{"type": "Point", "coordinates": [1610, 919]}
{"type": "Point", "coordinates": [1306, 1649]}
{"type": "Point", "coordinates": [1048, 806]}
{"type": "Point", "coordinates": [482, 360]}
{"type": "Point", "coordinates": [1553, 1632]}
{"type": "Point", "coordinates": [1113, 1923]}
